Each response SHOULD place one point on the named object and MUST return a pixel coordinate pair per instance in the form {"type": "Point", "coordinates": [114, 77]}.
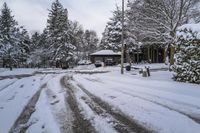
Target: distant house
{"type": "Point", "coordinates": [107, 56]}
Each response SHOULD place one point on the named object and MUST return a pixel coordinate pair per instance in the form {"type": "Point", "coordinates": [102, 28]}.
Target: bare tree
{"type": "Point", "coordinates": [156, 21]}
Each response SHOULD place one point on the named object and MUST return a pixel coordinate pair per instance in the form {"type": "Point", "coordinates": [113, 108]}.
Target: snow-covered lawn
{"type": "Point", "coordinates": [20, 71]}
{"type": "Point", "coordinates": [151, 66]}
{"type": "Point", "coordinates": [157, 102]}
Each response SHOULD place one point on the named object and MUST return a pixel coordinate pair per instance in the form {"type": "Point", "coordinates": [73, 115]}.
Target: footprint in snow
{"type": "Point", "coordinates": [112, 97]}
{"type": "Point", "coordinates": [54, 96]}
{"type": "Point", "coordinates": [53, 103]}
{"type": "Point", "coordinates": [43, 126]}
{"type": "Point", "coordinates": [21, 86]}
{"type": "Point", "coordinates": [11, 98]}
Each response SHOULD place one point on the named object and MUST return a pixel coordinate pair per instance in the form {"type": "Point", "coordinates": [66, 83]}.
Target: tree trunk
{"type": "Point", "coordinates": [149, 55]}
{"type": "Point", "coordinates": [166, 55]}
{"type": "Point", "coordinates": [172, 52]}
{"type": "Point", "coordinates": [157, 55]}
{"type": "Point", "coordinates": [10, 63]}
{"type": "Point", "coordinates": [3, 63]}
{"type": "Point", "coordinates": [137, 56]}
{"type": "Point", "coordinates": [152, 54]}
{"type": "Point", "coordinates": [128, 57]}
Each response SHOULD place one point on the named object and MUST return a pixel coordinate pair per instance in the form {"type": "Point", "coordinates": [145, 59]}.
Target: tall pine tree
{"type": "Point", "coordinates": [12, 39]}
{"type": "Point", "coordinates": [60, 48]}
{"type": "Point", "coordinates": [112, 34]}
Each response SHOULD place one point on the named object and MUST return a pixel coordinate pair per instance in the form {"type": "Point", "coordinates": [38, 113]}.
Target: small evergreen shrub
{"type": "Point", "coordinates": [187, 64]}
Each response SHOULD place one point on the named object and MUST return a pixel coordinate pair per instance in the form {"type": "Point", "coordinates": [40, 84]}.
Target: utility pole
{"type": "Point", "coordinates": [122, 47]}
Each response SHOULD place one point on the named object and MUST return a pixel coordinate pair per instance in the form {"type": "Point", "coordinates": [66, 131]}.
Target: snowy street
{"type": "Point", "coordinates": [88, 99]}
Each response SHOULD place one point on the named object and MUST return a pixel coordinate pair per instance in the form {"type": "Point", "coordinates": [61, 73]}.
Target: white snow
{"type": "Point", "coordinates": [151, 66]}
{"type": "Point", "coordinates": [106, 52]}
{"type": "Point", "coordinates": [101, 124]}
{"type": "Point", "coordinates": [157, 102]}
{"type": "Point", "coordinates": [6, 83]}
{"type": "Point", "coordinates": [19, 71]}
{"type": "Point", "coordinates": [51, 110]}
{"type": "Point", "coordinates": [14, 98]}
{"type": "Point", "coordinates": [194, 27]}
{"type": "Point", "coordinates": [42, 119]}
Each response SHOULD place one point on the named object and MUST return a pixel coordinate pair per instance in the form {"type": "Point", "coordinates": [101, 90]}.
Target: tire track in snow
{"type": "Point", "coordinates": [60, 110]}
{"type": "Point", "coordinates": [80, 124]}
{"type": "Point", "coordinates": [121, 122]}
{"type": "Point", "coordinates": [6, 86]}
{"type": "Point", "coordinates": [195, 119]}
{"type": "Point", "coordinates": [16, 76]}
{"type": "Point", "coordinates": [162, 98]}
{"type": "Point", "coordinates": [21, 124]}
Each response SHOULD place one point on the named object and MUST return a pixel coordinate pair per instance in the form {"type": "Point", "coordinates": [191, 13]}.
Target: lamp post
{"type": "Point", "coordinates": [122, 47]}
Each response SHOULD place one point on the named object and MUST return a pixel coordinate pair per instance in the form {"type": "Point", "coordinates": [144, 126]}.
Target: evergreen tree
{"type": "Point", "coordinates": [10, 38]}
{"type": "Point", "coordinates": [35, 41]}
{"type": "Point", "coordinates": [24, 46]}
{"type": "Point", "coordinates": [36, 50]}
{"type": "Point", "coordinates": [91, 42]}
{"type": "Point", "coordinates": [76, 38]}
{"type": "Point", "coordinates": [187, 65]}
{"type": "Point", "coordinates": [112, 34]}
{"type": "Point", "coordinates": [39, 54]}
{"type": "Point", "coordinates": [60, 47]}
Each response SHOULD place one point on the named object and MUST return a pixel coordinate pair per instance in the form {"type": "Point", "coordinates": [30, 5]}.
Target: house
{"type": "Point", "coordinates": [108, 57]}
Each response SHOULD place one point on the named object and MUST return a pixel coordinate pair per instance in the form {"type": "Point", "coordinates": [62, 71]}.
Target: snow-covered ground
{"type": "Point", "coordinates": [105, 102]}
{"type": "Point", "coordinates": [7, 72]}
{"type": "Point", "coordinates": [157, 102]}
{"type": "Point", "coordinates": [14, 96]}
{"type": "Point", "coordinates": [52, 113]}
{"type": "Point", "coordinates": [151, 66]}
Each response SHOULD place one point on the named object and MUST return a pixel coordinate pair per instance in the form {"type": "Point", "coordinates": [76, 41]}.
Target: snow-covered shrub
{"type": "Point", "coordinates": [187, 65]}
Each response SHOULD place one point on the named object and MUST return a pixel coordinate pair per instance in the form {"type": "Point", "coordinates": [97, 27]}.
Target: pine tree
{"type": "Point", "coordinates": [112, 34]}
{"type": "Point", "coordinates": [24, 46]}
{"type": "Point", "coordinates": [36, 50]}
{"type": "Point", "coordinates": [35, 41]}
{"type": "Point", "coordinates": [91, 42]}
{"type": "Point", "coordinates": [10, 38]}
{"type": "Point", "coordinates": [76, 32]}
{"type": "Point", "coordinates": [60, 47]}
{"type": "Point", "coordinates": [187, 65]}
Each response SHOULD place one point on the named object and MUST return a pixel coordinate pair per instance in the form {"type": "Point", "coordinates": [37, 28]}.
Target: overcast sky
{"type": "Point", "coordinates": [92, 14]}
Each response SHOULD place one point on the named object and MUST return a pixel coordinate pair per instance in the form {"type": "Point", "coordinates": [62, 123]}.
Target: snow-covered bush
{"type": "Point", "coordinates": [187, 65]}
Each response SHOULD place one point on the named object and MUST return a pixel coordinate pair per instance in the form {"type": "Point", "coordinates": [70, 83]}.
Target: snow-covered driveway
{"type": "Point", "coordinates": [99, 100]}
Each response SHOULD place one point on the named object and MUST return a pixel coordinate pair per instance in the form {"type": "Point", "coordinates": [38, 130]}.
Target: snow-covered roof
{"type": "Point", "coordinates": [106, 52]}
{"type": "Point", "coordinates": [193, 27]}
